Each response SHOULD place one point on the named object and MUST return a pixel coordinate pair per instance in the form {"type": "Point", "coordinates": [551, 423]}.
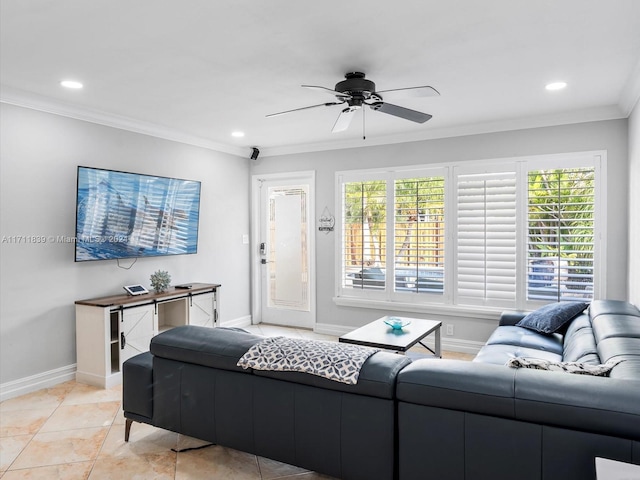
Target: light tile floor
{"type": "Point", "coordinates": [75, 431]}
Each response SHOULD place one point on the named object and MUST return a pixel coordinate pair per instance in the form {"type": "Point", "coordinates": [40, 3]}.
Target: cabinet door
{"type": "Point", "coordinates": [202, 310]}
{"type": "Point", "coordinates": [137, 327]}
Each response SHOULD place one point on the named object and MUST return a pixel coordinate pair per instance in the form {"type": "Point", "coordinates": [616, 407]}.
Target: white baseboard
{"type": "Point", "coordinates": [462, 346]}
{"type": "Point", "coordinates": [332, 329]}
{"type": "Point", "coordinates": [448, 343]}
{"type": "Point", "coordinates": [98, 381]}
{"type": "Point", "coordinates": [237, 322]}
{"type": "Point", "coordinates": [30, 384]}
{"type": "Point", "coordinates": [48, 379]}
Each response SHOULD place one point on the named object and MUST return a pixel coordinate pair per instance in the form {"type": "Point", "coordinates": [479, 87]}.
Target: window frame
{"type": "Point", "coordinates": [446, 303]}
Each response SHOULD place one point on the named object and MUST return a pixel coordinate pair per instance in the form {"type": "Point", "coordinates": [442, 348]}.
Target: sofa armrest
{"type": "Point", "coordinates": [511, 317]}
{"type": "Point", "coordinates": [137, 386]}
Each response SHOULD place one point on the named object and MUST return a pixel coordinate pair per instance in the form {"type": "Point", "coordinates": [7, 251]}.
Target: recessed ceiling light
{"type": "Point", "coordinates": [555, 86]}
{"type": "Point", "coordinates": [71, 84]}
{"type": "Point", "coordinates": [237, 134]}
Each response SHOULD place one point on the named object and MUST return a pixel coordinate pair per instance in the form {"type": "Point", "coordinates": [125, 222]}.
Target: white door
{"type": "Point", "coordinates": [284, 258]}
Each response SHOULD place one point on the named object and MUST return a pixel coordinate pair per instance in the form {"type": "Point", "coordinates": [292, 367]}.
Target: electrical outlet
{"type": "Point", "coordinates": [450, 329]}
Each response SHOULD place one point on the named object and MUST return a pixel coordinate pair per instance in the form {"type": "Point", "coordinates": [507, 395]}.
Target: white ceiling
{"type": "Point", "coordinates": [197, 70]}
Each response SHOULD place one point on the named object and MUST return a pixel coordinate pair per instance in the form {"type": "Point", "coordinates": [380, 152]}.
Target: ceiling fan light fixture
{"type": "Point", "coordinates": [72, 84]}
{"type": "Point", "coordinates": [344, 119]}
{"type": "Point", "coordinates": [555, 86]}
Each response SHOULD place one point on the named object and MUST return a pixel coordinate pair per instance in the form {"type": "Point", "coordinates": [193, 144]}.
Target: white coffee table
{"type": "Point", "coordinates": [378, 334]}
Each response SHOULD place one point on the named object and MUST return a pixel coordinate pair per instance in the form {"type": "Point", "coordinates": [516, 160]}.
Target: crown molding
{"type": "Point", "coordinates": [33, 101]}
{"type": "Point", "coordinates": [25, 99]}
{"type": "Point", "coordinates": [612, 112]}
{"type": "Point", "coordinates": [631, 92]}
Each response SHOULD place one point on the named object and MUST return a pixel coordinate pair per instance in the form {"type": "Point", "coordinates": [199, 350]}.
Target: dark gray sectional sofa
{"type": "Point", "coordinates": [189, 383]}
{"type": "Point", "coordinates": [492, 421]}
{"type": "Point", "coordinates": [431, 418]}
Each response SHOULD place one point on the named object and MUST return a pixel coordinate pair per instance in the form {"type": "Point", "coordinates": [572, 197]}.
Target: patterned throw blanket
{"type": "Point", "coordinates": [335, 361]}
{"type": "Point", "coordinates": [600, 370]}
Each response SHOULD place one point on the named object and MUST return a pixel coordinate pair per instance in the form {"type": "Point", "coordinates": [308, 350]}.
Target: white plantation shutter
{"type": "Point", "coordinates": [364, 250]}
{"type": "Point", "coordinates": [560, 234]}
{"type": "Point", "coordinates": [486, 239]}
{"type": "Point", "coordinates": [419, 235]}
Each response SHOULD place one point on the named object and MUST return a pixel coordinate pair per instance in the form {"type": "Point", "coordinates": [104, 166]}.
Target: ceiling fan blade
{"type": "Point", "coordinates": [305, 108]}
{"type": "Point", "coordinates": [401, 112]}
{"type": "Point", "coordinates": [344, 119]}
{"type": "Point", "coordinates": [328, 90]}
{"type": "Point", "coordinates": [411, 92]}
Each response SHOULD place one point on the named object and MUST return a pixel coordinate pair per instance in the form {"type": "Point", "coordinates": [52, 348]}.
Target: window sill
{"type": "Point", "coordinates": [467, 311]}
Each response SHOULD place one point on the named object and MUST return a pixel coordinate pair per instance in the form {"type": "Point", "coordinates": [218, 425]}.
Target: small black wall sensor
{"type": "Point", "coordinates": [254, 153]}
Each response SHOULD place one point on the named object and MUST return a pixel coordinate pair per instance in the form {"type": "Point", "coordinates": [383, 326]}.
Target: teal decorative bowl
{"type": "Point", "coordinates": [397, 323]}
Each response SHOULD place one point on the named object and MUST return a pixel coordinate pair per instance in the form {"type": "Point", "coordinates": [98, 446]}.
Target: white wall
{"type": "Point", "coordinates": [40, 282]}
{"type": "Point", "coordinates": [634, 202]}
{"type": "Point", "coordinates": [606, 135]}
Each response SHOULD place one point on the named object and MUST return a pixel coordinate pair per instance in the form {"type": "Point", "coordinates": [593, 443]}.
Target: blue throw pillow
{"type": "Point", "coordinates": [553, 317]}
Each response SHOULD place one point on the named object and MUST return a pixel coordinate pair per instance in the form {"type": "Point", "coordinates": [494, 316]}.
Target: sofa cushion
{"type": "Point", "coordinates": [616, 328]}
{"type": "Point", "coordinates": [614, 325]}
{"type": "Point", "coordinates": [523, 337]}
{"type": "Point", "coordinates": [580, 346]}
{"type": "Point", "coordinates": [211, 347]}
{"type": "Point", "coordinates": [627, 370]}
{"type": "Point", "coordinates": [580, 323]}
{"type": "Point", "coordinates": [553, 317]}
{"type": "Point", "coordinates": [579, 343]}
{"type": "Point", "coordinates": [612, 307]}
{"type": "Point", "coordinates": [500, 354]}
{"type": "Point", "coordinates": [613, 347]}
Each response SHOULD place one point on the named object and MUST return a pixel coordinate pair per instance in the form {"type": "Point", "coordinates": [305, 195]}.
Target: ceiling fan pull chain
{"type": "Point", "coordinates": [363, 115]}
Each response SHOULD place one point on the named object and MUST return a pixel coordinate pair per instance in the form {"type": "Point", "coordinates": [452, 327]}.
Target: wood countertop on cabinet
{"type": "Point", "coordinates": [125, 299]}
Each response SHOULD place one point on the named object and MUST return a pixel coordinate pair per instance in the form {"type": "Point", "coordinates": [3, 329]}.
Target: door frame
{"type": "Point", "coordinates": [307, 176]}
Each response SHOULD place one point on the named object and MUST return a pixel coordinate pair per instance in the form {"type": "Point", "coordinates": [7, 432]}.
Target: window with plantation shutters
{"type": "Point", "coordinates": [473, 236]}
{"type": "Point", "coordinates": [486, 239]}
{"type": "Point", "coordinates": [560, 234]}
{"type": "Point", "coordinates": [419, 235]}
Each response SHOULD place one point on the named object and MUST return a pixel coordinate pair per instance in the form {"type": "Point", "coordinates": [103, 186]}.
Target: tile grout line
{"type": "Point", "coordinates": [32, 435]}
{"type": "Point", "coordinates": [93, 464]}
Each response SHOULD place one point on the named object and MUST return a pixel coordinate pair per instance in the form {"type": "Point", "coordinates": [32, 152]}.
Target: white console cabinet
{"type": "Point", "coordinates": [109, 330]}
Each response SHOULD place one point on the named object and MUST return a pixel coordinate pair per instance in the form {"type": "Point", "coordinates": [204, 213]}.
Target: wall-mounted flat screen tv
{"type": "Point", "coordinates": [130, 215]}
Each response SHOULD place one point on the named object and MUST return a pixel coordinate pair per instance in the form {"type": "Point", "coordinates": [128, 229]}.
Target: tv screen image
{"type": "Point", "coordinates": [130, 215]}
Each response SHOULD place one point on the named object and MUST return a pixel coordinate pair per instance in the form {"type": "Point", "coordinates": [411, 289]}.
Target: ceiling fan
{"type": "Point", "coordinates": [356, 91]}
